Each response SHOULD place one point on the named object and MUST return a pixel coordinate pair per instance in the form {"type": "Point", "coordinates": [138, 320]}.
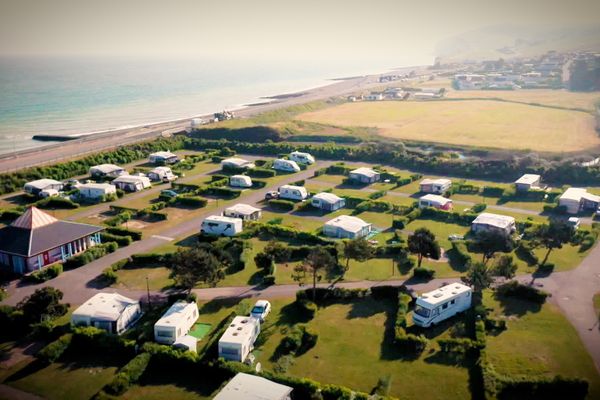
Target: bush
{"type": "Point", "coordinates": [44, 274]}
{"type": "Point", "coordinates": [191, 201]}
{"type": "Point", "coordinates": [268, 280]}
{"type": "Point", "coordinates": [459, 253]}
{"type": "Point", "coordinates": [129, 374]}
{"type": "Point", "coordinates": [423, 273]}
{"type": "Point", "coordinates": [385, 292]}
{"type": "Point", "coordinates": [54, 350]}
{"type": "Point", "coordinates": [523, 292]}
{"type": "Point", "coordinates": [110, 276]}
{"type": "Point", "coordinates": [281, 205]}
{"type": "Point", "coordinates": [299, 340]}
{"type": "Point", "coordinates": [120, 231]}
{"type": "Point", "coordinates": [261, 173]}
{"type": "Point", "coordinates": [90, 255]}
{"type": "Point", "coordinates": [122, 241]}
{"type": "Point", "coordinates": [56, 202]}
{"type": "Point", "coordinates": [479, 207]}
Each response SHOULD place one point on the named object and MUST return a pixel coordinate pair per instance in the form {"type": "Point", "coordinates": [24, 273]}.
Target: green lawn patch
{"type": "Point", "coordinates": [199, 330]}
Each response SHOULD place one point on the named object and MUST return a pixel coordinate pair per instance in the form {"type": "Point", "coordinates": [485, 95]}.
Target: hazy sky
{"type": "Point", "coordinates": [254, 28]}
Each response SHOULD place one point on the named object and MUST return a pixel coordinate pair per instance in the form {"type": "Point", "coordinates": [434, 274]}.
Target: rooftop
{"type": "Point", "coordinates": [130, 178]}
{"type": "Point", "coordinates": [440, 181]}
{"type": "Point", "coordinates": [528, 179]}
{"type": "Point", "coordinates": [107, 306]}
{"type": "Point", "coordinates": [242, 208]}
{"type": "Point", "coordinates": [250, 387]}
{"type": "Point", "coordinates": [178, 311]}
{"type": "Point", "coordinates": [444, 293]}
{"type": "Point", "coordinates": [220, 218]}
{"type": "Point", "coordinates": [164, 154]}
{"type": "Point", "coordinates": [240, 329]}
{"type": "Point", "coordinates": [500, 221]}
{"type": "Point", "coordinates": [43, 183]}
{"type": "Point", "coordinates": [364, 171]}
{"type": "Point", "coordinates": [434, 198]}
{"type": "Point", "coordinates": [574, 194]}
{"type": "Point", "coordinates": [327, 197]}
{"type": "Point", "coordinates": [107, 168]}
{"type": "Point", "coordinates": [94, 185]}
{"type": "Point", "coordinates": [348, 223]}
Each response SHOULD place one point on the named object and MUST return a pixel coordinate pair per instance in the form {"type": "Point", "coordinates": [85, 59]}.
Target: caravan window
{"type": "Point", "coordinates": [444, 306]}
{"type": "Point", "coordinates": [423, 312]}
{"type": "Point", "coordinates": [452, 301]}
{"type": "Point", "coordinates": [163, 333]}
{"type": "Point", "coordinates": [230, 351]}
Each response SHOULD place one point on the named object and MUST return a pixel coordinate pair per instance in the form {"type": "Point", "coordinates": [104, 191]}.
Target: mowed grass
{"type": "Point", "coordinates": [538, 341]}
{"type": "Point", "coordinates": [355, 348]}
{"type": "Point", "coordinates": [481, 123]}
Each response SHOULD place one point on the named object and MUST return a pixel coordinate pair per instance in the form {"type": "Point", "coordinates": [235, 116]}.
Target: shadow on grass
{"type": "Point", "coordinates": [197, 381]}
{"type": "Point", "coordinates": [516, 307]}
{"type": "Point", "coordinates": [216, 304]}
{"type": "Point", "coordinates": [366, 308]}
{"type": "Point", "coordinates": [30, 369]}
{"type": "Point", "coordinates": [453, 260]}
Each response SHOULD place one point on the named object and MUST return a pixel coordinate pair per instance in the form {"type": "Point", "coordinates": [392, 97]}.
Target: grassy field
{"type": "Point", "coordinates": [473, 123]}
{"type": "Point", "coordinates": [355, 348]}
{"type": "Point", "coordinates": [538, 341]}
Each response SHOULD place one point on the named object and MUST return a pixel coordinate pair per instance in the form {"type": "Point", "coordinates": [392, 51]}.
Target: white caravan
{"type": "Point", "coordinates": [282, 164]}
{"type": "Point", "coordinates": [302, 158]}
{"type": "Point", "coordinates": [292, 192]}
{"type": "Point", "coordinates": [176, 322]}
{"type": "Point", "coordinates": [240, 181]}
{"type": "Point", "coordinates": [238, 340]}
{"type": "Point", "coordinates": [440, 304]}
{"type": "Point", "coordinates": [222, 226]}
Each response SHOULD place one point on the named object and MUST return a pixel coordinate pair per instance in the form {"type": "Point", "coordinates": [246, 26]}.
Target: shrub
{"type": "Point", "coordinates": [281, 205]}
{"type": "Point", "coordinates": [385, 292]}
{"type": "Point", "coordinates": [524, 251]}
{"type": "Point", "coordinates": [191, 201]}
{"type": "Point", "coordinates": [110, 276]}
{"type": "Point", "coordinates": [44, 274]}
{"type": "Point", "coordinates": [261, 173]}
{"type": "Point", "coordinates": [122, 241]}
{"type": "Point", "coordinates": [130, 373]}
{"type": "Point", "coordinates": [268, 280]}
{"type": "Point", "coordinates": [479, 207]}
{"type": "Point", "coordinates": [90, 255]}
{"type": "Point", "coordinates": [459, 253]}
{"type": "Point", "coordinates": [523, 292]}
{"type": "Point", "coordinates": [56, 202]}
{"type": "Point", "coordinates": [423, 273]}
{"type": "Point", "coordinates": [120, 231]}
{"type": "Point", "coordinates": [54, 350]}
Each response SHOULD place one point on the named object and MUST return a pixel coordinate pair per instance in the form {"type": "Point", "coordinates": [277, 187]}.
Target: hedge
{"type": "Point", "coordinates": [406, 341]}
{"type": "Point", "coordinates": [54, 350]}
{"type": "Point", "coordinates": [280, 231]}
{"type": "Point", "coordinates": [460, 253]}
{"type": "Point", "coordinates": [44, 274]}
{"type": "Point", "coordinates": [90, 255]}
{"type": "Point", "coordinates": [10, 215]}
{"type": "Point", "coordinates": [117, 230]}
{"type": "Point", "coordinates": [281, 205]}
{"type": "Point", "coordinates": [261, 173]}
{"type": "Point", "coordinates": [56, 202]}
{"type": "Point", "coordinates": [423, 273]}
{"type": "Point", "coordinates": [130, 373]}
{"type": "Point", "coordinates": [523, 292]}
{"type": "Point", "coordinates": [122, 241]}
{"type": "Point", "coordinates": [190, 201]}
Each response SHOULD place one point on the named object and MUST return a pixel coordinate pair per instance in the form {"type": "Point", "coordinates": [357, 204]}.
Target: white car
{"type": "Point", "coordinates": [261, 309]}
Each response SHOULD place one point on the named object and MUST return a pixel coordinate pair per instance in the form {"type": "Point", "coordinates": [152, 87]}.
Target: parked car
{"type": "Point", "coordinates": [261, 309]}
{"type": "Point", "coordinates": [271, 195]}
{"type": "Point", "coordinates": [168, 193]}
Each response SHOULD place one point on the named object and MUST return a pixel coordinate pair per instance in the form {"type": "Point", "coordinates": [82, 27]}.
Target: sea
{"type": "Point", "coordinates": [74, 95]}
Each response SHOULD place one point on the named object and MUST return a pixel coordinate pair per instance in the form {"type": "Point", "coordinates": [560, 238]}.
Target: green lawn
{"type": "Point", "coordinates": [597, 304]}
{"type": "Point", "coordinates": [441, 230]}
{"type": "Point", "coordinates": [355, 348]}
{"type": "Point", "coordinates": [538, 341]}
{"type": "Point", "coordinates": [79, 378]}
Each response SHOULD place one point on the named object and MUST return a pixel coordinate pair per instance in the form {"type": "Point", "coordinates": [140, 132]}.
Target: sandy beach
{"type": "Point", "coordinates": [59, 151]}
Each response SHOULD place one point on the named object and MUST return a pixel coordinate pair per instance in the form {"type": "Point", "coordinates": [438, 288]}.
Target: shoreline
{"type": "Point", "coordinates": [91, 142]}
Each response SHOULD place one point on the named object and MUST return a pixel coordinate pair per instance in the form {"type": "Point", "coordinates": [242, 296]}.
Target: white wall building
{"type": "Point", "coordinates": [95, 191]}
{"type": "Point", "coordinates": [176, 322]}
{"type": "Point", "coordinates": [236, 163]}
{"type": "Point", "coordinates": [493, 222]}
{"type": "Point", "coordinates": [292, 192]}
{"type": "Point", "coordinates": [435, 186]}
{"type": "Point", "coordinates": [238, 340]}
{"type": "Point", "coordinates": [244, 212]}
{"type": "Point", "coordinates": [281, 164]}
{"type": "Point", "coordinates": [108, 311]}
{"type": "Point", "coordinates": [251, 387]}
{"type": "Point", "coordinates": [346, 227]}
{"type": "Point", "coordinates": [243, 181]}
{"type": "Point", "coordinates": [221, 226]}
{"type": "Point", "coordinates": [435, 201]}
{"type": "Point", "coordinates": [327, 201]}
{"type": "Point", "coordinates": [528, 182]}
{"type": "Point", "coordinates": [132, 183]}
{"type": "Point", "coordinates": [106, 170]}
{"type": "Point", "coordinates": [364, 175]}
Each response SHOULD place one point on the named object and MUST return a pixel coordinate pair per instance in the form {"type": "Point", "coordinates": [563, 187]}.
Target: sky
{"type": "Point", "coordinates": [298, 29]}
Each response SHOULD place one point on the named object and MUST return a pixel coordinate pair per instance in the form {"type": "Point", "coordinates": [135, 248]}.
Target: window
{"type": "Point", "coordinates": [453, 301]}
{"type": "Point", "coordinates": [163, 333]}
{"type": "Point", "coordinates": [423, 312]}
{"type": "Point", "coordinates": [444, 306]}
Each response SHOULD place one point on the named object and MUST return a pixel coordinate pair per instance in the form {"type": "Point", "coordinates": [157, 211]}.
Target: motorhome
{"type": "Point", "coordinates": [176, 322]}
{"type": "Point", "coordinates": [292, 192]}
{"type": "Point", "coordinates": [282, 164]}
{"type": "Point", "coordinates": [240, 181]}
{"type": "Point", "coordinates": [302, 158]}
{"type": "Point", "coordinates": [438, 305]}
{"type": "Point", "coordinates": [238, 340]}
{"type": "Point", "coordinates": [220, 225]}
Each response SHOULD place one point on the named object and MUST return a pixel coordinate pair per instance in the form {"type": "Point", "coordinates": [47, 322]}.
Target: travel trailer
{"type": "Point", "coordinates": [176, 322]}
{"type": "Point", "coordinates": [238, 340]}
{"type": "Point", "coordinates": [163, 174]}
{"type": "Point", "coordinates": [327, 201]}
{"type": "Point", "coordinates": [108, 311]}
{"type": "Point", "coordinates": [291, 192]}
{"type": "Point", "coordinates": [240, 181]}
{"type": "Point", "coordinates": [302, 158]}
{"type": "Point", "coordinates": [440, 304]}
{"type": "Point", "coordinates": [285, 165]}
{"type": "Point", "coordinates": [243, 211]}
{"type": "Point", "coordinates": [222, 226]}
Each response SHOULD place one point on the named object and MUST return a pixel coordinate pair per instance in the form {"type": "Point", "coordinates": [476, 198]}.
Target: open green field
{"type": "Point", "coordinates": [538, 341]}
{"type": "Point", "coordinates": [479, 123]}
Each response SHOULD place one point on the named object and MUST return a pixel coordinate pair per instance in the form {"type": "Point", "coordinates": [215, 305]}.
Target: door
{"type": "Point", "coordinates": [18, 264]}
{"type": "Point", "coordinates": [46, 257]}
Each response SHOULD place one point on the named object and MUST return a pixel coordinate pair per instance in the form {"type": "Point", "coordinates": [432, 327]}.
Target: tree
{"type": "Point", "coordinates": [479, 276]}
{"type": "Point", "coordinates": [43, 303]}
{"type": "Point", "coordinates": [263, 261]}
{"type": "Point", "coordinates": [423, 244]}
{"type": "Point", "coordinates": [505, 266]}
{"type": "Point", "coordinates": [491, 242]}
{"type": "Point", "coordinates": [192, 266]}
{"type": "Point", "coordinates": [553, 235]}
{"type": "Point", "coordinates": [357, 249]}
{"type": "Point", "coordinates": [318, 260]}
{"type": "Point", "coordinates": [278, 251]}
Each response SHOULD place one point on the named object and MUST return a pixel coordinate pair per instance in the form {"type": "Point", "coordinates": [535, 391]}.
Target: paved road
{"type": "Point", "coordinates": [10, 393]}
{"type": "Point", "coordinates": [79, 284]}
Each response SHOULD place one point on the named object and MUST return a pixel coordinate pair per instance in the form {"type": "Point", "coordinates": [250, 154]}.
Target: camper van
{"type": "Point", "coordinates": [438, 305]}
{"type": "Point", "coordinates": [285, 165]}
{"type": "Point", "coordinates": [302, 158]}
{"type": "Point", "coordinates": [176, 322]}
{"type": "Point", "coordinates": [292, 192]}
{"type": "Point", "coordinates": [238, 340]}
{"type": "Point", "coordinates": [240, 181]}
{"type": "Point", "coordinates": [219, 225]}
